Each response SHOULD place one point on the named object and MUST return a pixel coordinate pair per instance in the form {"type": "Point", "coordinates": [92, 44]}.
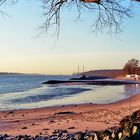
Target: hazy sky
{"type": "Point", "coordinates": [23, 49]}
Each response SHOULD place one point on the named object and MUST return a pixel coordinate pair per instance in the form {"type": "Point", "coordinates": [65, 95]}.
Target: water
{"type": "Point", "coordinates": [27, 91]}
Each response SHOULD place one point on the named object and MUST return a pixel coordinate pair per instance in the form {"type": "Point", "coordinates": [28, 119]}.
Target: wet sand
{"type": "Point", "coordinates": [72, 118]}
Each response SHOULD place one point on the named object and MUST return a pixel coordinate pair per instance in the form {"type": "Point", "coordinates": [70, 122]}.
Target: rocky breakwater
{"type": "Point", "coordinates": [129, 129]}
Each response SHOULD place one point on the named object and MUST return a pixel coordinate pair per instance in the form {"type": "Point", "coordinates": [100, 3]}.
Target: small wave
{"type": "Point", "coordinates": [57, 93]}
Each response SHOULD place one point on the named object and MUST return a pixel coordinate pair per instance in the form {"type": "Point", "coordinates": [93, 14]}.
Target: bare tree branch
{"type": "Point", "coordinates": [110, 14]}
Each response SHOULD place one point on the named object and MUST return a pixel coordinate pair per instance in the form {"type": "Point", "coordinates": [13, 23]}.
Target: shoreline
{"type": "Point", "coordinates": [132, 97]}
{"type": "Point", "coordinates": [114, 101]}
{"type": "Point", "coordinates": [73, 118]}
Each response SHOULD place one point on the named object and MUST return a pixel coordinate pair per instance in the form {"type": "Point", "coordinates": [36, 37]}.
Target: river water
{"type": "Point", "coordinates": [27, 91]}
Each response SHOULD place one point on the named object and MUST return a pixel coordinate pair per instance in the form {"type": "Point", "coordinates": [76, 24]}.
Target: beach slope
{"type": "Point", "coordinates": [72, 118]}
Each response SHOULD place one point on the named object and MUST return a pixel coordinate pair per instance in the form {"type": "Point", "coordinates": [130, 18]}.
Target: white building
{"type": "Point", "coordinates": [133, 76]}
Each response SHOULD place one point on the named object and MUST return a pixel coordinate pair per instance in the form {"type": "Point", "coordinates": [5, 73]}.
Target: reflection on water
{"type": "Point", "coordinates": [65, 95]}
{"type": "Point", "coordinates": [132, 89]}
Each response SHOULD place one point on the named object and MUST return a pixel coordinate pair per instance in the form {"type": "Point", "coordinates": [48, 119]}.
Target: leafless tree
{"type": "Point", "coordinates": [2, 2]}
{"type": "Point", "coordinates": [6, 2]}
{"type": "Point", "coordinates": [109, 14]}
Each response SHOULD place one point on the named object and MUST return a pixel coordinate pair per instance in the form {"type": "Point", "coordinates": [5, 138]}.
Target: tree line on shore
{"type": "Point", "coordinates": [129, 68]}
{"type": "Point", "coordinates": [132, 67]}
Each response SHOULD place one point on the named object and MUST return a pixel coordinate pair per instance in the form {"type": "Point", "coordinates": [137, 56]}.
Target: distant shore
{"type": "Point", "coordinates": [73, 118]}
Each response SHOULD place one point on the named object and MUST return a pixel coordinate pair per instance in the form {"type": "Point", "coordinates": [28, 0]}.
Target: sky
{"type": "Point", "coordinates": [25, 49]}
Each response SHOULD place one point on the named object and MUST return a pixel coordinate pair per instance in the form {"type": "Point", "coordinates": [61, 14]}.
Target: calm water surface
{"type": "Point", "coordinates": [26, 91]}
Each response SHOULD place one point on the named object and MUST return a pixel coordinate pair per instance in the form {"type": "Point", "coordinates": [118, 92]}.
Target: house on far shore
{"type": "Point", "coordinates": [133, 76]}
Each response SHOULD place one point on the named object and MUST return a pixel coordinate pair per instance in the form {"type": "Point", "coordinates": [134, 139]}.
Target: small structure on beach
{"type": "Point", "coordinates": [133, 76]}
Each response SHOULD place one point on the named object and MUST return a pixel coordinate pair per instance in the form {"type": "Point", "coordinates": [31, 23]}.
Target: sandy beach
{"type": "Point", "coordinates": [72, 118]}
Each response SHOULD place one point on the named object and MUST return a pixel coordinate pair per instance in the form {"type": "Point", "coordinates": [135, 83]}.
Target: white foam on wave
{"type": "Point", "coordinates": [6, 100]}
{"type": "Point", "coordinates": [106, 94]}
{"type": "Point", "coordinates": [23, 94]}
